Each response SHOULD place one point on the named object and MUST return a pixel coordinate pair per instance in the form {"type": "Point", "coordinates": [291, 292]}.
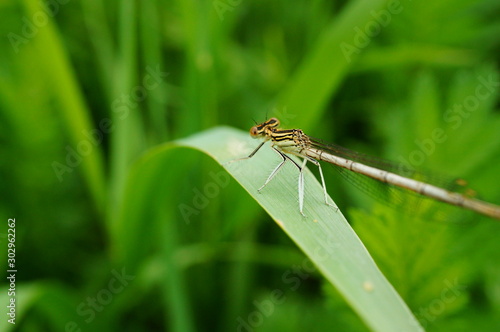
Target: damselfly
{"type": "Point", "coordinates": [287, 142]}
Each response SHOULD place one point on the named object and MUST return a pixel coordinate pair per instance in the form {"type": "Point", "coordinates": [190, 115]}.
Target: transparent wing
{"type": "Point", "coordinates": [396, 197]}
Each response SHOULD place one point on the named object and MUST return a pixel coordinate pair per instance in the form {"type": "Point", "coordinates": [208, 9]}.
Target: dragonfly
{"type": "Point", "coordinates": [286, 142]}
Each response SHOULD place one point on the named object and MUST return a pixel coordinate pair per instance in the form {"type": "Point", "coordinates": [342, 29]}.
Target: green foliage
{"type": "Point", "coordinates": [96, 95]}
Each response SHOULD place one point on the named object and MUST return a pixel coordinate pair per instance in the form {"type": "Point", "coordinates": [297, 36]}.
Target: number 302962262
{"type": "Point", "coordinates": [12, 243]}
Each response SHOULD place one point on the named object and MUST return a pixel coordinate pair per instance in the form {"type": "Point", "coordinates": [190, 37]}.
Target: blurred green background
{"type": "Point", "coordinates": [88, 87]}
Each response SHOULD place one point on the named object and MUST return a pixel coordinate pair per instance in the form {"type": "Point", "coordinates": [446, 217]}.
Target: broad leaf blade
{"type": "Point", "coordinates": [324, 235]}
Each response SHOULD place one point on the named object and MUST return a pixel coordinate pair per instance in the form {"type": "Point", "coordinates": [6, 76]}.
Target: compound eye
{"type": "Point", "coordinates": [254, 131]}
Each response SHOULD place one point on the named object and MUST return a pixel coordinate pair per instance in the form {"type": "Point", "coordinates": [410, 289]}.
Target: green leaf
{"type": "Point", "coordinates": [324, 235]}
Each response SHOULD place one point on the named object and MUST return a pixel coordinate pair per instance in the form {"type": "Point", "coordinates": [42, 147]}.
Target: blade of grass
{"type": "Point", "coordinates": [325, 236]}
{"type": "Point", "coordinates": [94, 14]}
{"type": "Point", "coordinates": [75, 114]}
{"type": "Point", "coordinates": [151, 51]}
{"type": "Point", "coordinates": [327, 63]}
{"type": "Point", "coordinates": [200, 67]}
{"type": "Point", "coordinates": [127, 138]}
